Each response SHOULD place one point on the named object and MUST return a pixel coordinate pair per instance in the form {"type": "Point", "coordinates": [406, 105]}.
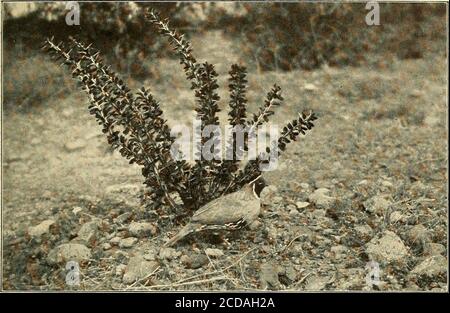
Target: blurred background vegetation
{"type": "Point", "coordinates": [269, 36]}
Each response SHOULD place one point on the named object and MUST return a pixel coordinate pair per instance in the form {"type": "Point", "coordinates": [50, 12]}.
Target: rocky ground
{"type": "Point", "coordinates": [369, 183]}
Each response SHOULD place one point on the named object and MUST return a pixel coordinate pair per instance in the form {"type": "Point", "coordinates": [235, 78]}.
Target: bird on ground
{"type": "Point", "coordinates": [230, 212]}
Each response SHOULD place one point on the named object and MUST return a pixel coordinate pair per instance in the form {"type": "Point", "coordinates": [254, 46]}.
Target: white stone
{"type": "Point", "coordinates": [40, 229]}
{"type": "Point", "coordinates": [301, 204]}
{"type": "Point", "coordinates": [77, 210]}
{"type": "Point", "coordinates": [214, 253]}
{"type": "Point", "coordinates": [128, 242]}
{"type": "Point", "coordinates": [141, 229]}
{"type": "Point", "coordinates": [310, 87]}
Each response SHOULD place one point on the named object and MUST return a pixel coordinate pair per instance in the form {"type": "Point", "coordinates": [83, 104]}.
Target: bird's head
{"type": "Point", "coordinates": [257, 185]}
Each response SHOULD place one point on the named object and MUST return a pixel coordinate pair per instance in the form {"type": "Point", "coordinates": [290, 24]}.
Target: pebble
{"type": "Point", "coordinates": [120, 269]}
{"type": "Point", "coordinates": [128, 242]}
{"type": "Point", "coordinates": [106, 246]}
{"type": "Point", "coordinates": [195, 260]}
{"type": "Point", "coordinates": [318, 214]}
{"type": "Point", "coordinates": [141, 229]}
{"type": "Point", "coordinates": [69, 252]}
{"type": "Point", "coordinates": [310, 87]}
{"type": "Point", "coordinates": [121, 256]}
{"type": "Point", "coordinates": [169, 253]}
{"type": "Point", "coordinates": [138, 268]}
{"type": "Point", "coordinates": [339, 251]}
{"type": "Point", "coordinates": [396, 217]}
{"type": "Point", "coordinates": [214, 253]}
{"type": "Point", "coordinates": [316, 283]}
{"type": "Point", "coordinates": [115, 241]}
{"type": "Point", "coordinates": [77, 210]}
{"type": "Point", "coordinates": [321, 199]}
{"type": "Point", "coordinates": [294, 212]}
{"type": "Point", "coordinates": [364, 231]}
{"type": "Point", "coordinates": [88, 232]}
{"type": "Point", "coordinates": [377, 204]}
{"type": "Point", "coordinates": [434, 249]}
{"type": "Point", "coordinates": [40, 229]}
{"type": "Point", "coordinates": [122, 218]}
{"type": "Point", "coordinates": [432, 266]}
{"type": "Point", "coordinates": [301, 204]}
{"type": "Point", "coordinates": [389, 248]}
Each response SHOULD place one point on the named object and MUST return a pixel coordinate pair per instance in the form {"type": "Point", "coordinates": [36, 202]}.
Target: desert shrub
{"type": "Point", "coordinates": [135, 126]}
{"type": "Point", "coordinates": [306, 35]}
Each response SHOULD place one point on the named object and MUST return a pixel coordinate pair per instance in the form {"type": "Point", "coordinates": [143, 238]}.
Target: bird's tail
{"type": "Point", "coordinates": [186, 230]}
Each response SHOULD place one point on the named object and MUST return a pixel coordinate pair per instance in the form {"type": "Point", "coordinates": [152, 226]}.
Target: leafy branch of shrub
{"type": "Point", "coordinates": [290, 132]}
{"type": "Point", "coordinates": [204, 83]}
{"type": "Point", "coordinates": [133, 126]}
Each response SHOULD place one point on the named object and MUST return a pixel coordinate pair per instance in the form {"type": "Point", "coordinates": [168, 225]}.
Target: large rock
{"type": "Point", "coordinates": [141, 229]}
{"type": "Point", "coordinates": [433, 266]}
{"type": "Point", "coordinates": [69, 252]}
{"type": "Point", "coordinates": [389, 248]}
{"type": "Point", "coordinates": [41, 229]}
{"type": "Point", "coordinates": [88, 233]}
{"type": "Point", "coordinates": [321, 199]}
{"type": "Point", "coordinates": [138, 268]}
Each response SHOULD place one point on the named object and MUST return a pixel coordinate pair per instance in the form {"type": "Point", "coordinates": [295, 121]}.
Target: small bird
{"type": "Point", "coordinates": [230, 212]}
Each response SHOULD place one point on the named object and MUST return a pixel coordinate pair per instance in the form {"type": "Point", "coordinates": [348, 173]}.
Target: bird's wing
{"type": "Point", "coordinates": [222, 210]}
